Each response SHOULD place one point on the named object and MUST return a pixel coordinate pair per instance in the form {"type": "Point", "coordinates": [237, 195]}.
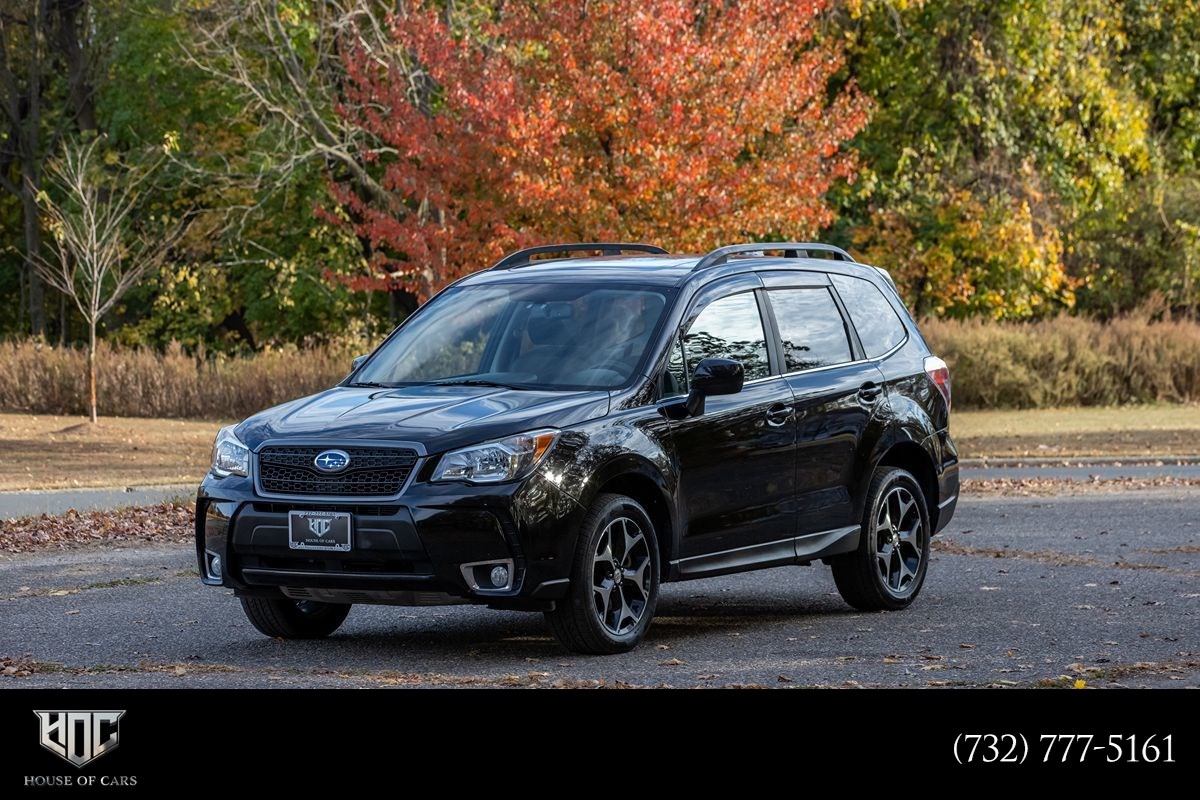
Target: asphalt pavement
{"type": "Point", "coordinates": [60, 501]}
{"type": "Point", "coordinates": [1021, 591]}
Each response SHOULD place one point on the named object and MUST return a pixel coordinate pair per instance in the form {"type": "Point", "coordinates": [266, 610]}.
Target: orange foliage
{"type": "Point", "coordinates": [680, 122]}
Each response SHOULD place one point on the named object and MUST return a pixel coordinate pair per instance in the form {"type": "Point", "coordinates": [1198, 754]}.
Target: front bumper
{"type": "Point", "coordinates": [410, 551]}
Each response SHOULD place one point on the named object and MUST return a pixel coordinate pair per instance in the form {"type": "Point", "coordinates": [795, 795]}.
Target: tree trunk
{"type": "Point", "coordinates": [62, 320]}
{"type": "Point", "coordinates": [70, 48]}
{"type": "Point", "coordinates": [33, 249]}
{"type": "Point", "coordinates": [401, 304]}
{"type": "Point", "coordinates": [92, 365]}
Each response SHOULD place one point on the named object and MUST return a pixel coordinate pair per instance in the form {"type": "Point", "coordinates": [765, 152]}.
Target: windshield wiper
{"type": "Point", "coordinates": [370, 385]}
{"type": "Point", "coordinates": [475, 382]}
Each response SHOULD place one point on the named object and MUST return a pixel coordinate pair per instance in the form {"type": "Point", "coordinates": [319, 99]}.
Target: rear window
{"type": "Point", "coordinates": [810, 327]}
{"type": "Point", "coordinates": [879, 326]}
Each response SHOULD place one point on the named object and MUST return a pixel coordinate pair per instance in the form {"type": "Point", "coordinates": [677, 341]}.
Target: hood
{"type": "Point", "coordinates": [439, 417]}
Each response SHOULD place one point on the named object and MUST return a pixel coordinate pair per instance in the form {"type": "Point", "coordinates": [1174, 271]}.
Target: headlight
{"type": "Point", "coordinates": [495, 462]}
{"type": "Point", "coordinates": [229, 456]}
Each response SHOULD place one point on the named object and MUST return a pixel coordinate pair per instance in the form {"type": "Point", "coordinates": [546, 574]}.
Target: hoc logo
{"type": "Point", "coordinates": [79, 736]}
{"type": "Point", "coordinates": [319, 526]}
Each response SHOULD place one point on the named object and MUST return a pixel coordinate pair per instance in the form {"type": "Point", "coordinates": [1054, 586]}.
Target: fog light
{"type": "Point", "coordinates": [499, 577]}
{"type": "Point", "coordinates": [214, 567]}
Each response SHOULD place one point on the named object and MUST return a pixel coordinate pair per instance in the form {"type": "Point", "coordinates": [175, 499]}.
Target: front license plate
{"type": "Point", "coordinates": [319, 530]}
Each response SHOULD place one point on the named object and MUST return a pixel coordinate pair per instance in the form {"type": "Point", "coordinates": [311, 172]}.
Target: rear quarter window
{"type": "Point", "coordinates": [879, 326]}
{"type": "Point", "coordinates": [811, 328]}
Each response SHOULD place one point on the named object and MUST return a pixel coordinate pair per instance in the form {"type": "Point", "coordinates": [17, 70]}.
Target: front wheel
{"type": "Point", "coordinates": [614, 580]}
{"type": "Point", "coordinates": [887, 570]}
{"type": "Point", "coordinates": [281, 618]}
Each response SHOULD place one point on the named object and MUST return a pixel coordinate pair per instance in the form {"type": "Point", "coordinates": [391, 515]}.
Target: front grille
{"type": "Point", "coordinates": [373, 471]}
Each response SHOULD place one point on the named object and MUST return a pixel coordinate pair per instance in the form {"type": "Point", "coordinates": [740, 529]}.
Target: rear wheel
{"type": "Point", "coordinates": [887, 570]}
{"type": "Point", "coordinates": [281, 618]}
{"type": "Point", "coordinates": [614, 580]}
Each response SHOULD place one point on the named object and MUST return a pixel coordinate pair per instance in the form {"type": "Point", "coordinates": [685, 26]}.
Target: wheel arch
{"type": "Point", "coordinates": [908, 455]}
{"type": "Point", "coordinates": [638, 479]}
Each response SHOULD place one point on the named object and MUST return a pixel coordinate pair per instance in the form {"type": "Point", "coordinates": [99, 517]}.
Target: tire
{"type": "Point", "coordinates": [887, 570]}
{"type": "Point", "coordinates": [281, 618]}
{"type": "Point", "coordinates": [600, 615]}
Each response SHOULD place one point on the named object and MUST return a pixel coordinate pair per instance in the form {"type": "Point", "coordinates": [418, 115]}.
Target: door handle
{"type": "Point", "coordinates": [779, 414]}
{"type": "Point", "coordinates": [869, 392]}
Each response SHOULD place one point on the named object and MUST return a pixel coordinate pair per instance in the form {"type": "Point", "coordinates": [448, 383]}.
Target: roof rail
{"type": "Point", "coordinates": [790, 250]}
{"type": "Point", "coordinates": [523, 258]}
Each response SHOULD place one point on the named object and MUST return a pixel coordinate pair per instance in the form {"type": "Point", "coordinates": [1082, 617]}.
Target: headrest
{"type": "Point", "coordinates": [548, 325]}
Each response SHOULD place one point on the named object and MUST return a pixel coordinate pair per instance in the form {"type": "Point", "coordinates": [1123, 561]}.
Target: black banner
{"type": "Point", "coordinates": [123, 742]}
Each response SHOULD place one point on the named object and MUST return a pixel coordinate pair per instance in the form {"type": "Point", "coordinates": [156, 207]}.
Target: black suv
{"type": "Point", "coordinates": [564, 434]}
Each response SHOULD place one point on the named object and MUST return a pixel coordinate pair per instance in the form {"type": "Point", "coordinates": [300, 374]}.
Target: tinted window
{"type": "Point", "coordinates": [675, 376]}
{"type": "Point", "coordinates": [879, 327]}
{"type": "Point", "coordinates": [552, 335]}
{"type": "Point", "coordinates": [811, 327]}
{"type": "Point", "coordinates": [729, 328]}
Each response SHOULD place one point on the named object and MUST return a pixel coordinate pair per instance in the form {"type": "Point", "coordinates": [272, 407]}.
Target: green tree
{"type": "Point", "coordinates": [998, 127]}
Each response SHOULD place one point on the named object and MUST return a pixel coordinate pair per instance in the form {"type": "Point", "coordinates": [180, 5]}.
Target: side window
{"type": "Point", "coordinates": [675, 381]}
{"type": "Point", "coordinates": [730, 327]}
{"type": "Point", "coordinates": [811, 327]}
{"type": "Point", "coordinates": [879, 327]}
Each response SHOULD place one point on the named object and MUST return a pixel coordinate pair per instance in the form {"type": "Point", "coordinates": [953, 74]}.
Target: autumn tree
{"type": "Point", "coordinates": [682, 122]}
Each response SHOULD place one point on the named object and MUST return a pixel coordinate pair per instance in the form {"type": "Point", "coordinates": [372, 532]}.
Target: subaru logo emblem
{"type": "Point", "coordinates": [332, 460]}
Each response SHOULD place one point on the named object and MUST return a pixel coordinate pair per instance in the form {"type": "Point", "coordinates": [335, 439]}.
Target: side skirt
{"type": "Point", "coordinates": [796, 550]}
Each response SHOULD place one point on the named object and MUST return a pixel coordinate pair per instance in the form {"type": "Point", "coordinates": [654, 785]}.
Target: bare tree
{"type": "Point", "coordinates": [103, 246]}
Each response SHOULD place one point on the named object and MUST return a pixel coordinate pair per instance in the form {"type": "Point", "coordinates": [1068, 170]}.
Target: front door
{"type": "Point", "coordinates": [737, 459]}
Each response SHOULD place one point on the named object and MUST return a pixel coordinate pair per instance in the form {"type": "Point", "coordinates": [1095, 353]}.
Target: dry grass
{"type": "Point", "coordinates": [1121, 431]}
{"type": "Point", "coordinates": [53, 452]}
{"type": "Point", "coordinates": [1066, 361]}
{"type": "Point", "coordinates": [1069, 361]}
{"type": "Point", "coordinates": [38, 379]}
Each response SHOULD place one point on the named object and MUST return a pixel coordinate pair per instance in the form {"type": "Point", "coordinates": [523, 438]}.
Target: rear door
{"type": "Point", "coordinates": [835, 392]}
{"type": "Point", "coordinates": [737, 459]}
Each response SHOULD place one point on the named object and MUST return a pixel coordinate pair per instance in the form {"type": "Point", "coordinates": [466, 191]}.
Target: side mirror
{"type": "Point", "coordinates": [714, 376]}
{"type": "Point", "coordinates": [356, 363]}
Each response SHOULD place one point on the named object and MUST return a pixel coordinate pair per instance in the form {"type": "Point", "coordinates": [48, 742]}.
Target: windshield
{"type": "Point", "coordinates": [522, 335]}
